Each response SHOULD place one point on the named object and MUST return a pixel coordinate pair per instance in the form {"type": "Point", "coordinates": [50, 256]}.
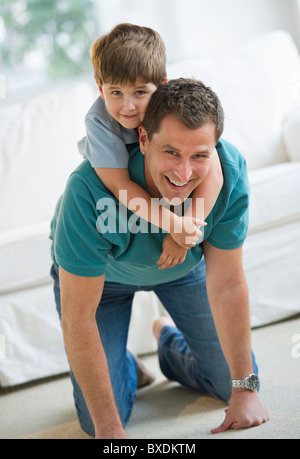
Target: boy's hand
{"type": "Point", "coordinates": [172, 253]}
{"type": "Point", "coordinates": [186, 231]}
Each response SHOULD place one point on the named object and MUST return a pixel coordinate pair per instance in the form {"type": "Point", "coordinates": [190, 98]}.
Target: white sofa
{"type": "Point", "coordinates": [259, 85]}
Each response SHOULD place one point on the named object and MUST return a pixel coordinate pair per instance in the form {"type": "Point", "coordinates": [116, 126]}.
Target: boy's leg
{"type": "Point", "coordinates": [190, 352]}
{"type": "Point", "coordinates": [112, 316]}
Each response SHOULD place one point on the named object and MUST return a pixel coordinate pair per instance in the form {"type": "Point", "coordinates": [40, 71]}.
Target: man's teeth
{"type": "Point", "coordinates": [177, 183]}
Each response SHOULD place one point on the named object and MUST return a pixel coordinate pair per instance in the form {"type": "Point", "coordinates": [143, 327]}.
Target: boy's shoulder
{"type": "Point", "coordinates": [99, 112]}
{"type": "Point", "coordinates": [98, 116]}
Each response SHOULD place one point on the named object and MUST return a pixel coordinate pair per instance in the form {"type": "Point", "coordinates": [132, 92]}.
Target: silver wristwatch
{"type": "Point", "coordinates": [249, 383]}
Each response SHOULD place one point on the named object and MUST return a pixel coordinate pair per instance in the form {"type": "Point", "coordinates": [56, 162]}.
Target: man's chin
{"type": "Point", "coordinates": [174, 201]}
{"type": "Point", "coordinates": [175, 195]}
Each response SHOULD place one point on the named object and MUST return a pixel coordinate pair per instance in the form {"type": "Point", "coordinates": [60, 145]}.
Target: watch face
{"type": "Point", "coordinates": [253, 382]}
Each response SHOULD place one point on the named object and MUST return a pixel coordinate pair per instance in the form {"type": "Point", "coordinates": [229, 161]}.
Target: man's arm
{"type": "Point", "coordinates": [228, 296]}
{"type": "Point", "coordinates": [80, 297]}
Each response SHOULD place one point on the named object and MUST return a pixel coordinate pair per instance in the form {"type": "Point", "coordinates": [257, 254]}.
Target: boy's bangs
{"type": "Point", "coordinates": [128, 71]}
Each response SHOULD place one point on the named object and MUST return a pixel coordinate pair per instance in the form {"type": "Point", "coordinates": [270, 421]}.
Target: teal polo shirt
{"type": "Point", "coordinates": [93, 234]}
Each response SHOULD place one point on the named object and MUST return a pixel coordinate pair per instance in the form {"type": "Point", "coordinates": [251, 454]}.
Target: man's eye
{"type": "Point", "coordinates": [171, 152]}
{"type": "Point", "coordinates": [200, 156]}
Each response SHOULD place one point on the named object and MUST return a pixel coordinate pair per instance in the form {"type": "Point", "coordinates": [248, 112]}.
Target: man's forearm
{"type": "Point", "coordinates": [230, 309]}
{"type": "Point", "coordinates": [228, 295]}
{"type": "Point", "coordinates": [80, 297]}
{"type": "Point", "coordinates": [231, 314]}
{"type": "Point", "coordinates": [89, 365]}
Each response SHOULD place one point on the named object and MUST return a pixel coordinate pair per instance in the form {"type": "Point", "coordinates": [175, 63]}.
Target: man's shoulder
{"type": "Point", "coordinates": [233, 163]}
{"type": "Point", "coordinates": [230, 155]}
{"type": "Point", "coordinates": [228, 222]}
{"type": "Point", "coordinates": [134, 150]}
{"type": "Point", "coordinates": [85, 177]}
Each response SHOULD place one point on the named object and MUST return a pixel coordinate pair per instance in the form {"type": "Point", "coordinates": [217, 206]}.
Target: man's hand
{"type": "Point", "coordinates": [245, 411]}
{"type": "Point", "coordinates": [110, 434]}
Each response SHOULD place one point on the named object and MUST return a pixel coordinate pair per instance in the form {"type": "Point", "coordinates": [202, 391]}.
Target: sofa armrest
{"type": "Point", "coordinates": [291, 135]}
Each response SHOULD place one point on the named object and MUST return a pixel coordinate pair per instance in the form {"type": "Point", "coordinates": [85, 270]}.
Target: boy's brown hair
{"type": "Point", "coordinates": [190, 101]}
{"type": "Point", "coordinates": [129, 52]}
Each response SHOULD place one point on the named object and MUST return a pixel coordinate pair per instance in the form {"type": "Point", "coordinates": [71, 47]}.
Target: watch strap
{"type": "Point", "coordinates": [249, 383]}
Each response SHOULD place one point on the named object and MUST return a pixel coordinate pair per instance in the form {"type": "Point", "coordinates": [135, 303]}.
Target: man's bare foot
{"type": "Point", "coordinates": [146, 377]}
{"type": "Point", "coordinates": [159, 324]}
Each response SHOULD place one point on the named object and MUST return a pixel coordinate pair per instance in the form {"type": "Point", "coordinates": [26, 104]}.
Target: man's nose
{"type": "Point", "coordinates": [184, 171]}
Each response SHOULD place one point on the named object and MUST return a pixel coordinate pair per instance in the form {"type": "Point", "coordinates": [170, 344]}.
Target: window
{"type": "Point", "coordinates": [45, 40]}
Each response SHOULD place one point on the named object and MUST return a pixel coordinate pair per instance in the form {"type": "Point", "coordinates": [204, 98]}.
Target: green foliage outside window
{"type": "Point", "coordinates": [57, 32]}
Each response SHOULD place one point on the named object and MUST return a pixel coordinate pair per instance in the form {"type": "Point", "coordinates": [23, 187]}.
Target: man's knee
{"type": "Point", "coordinates": [222, 390]}
{"type": "Point", "coordinates": [217, 381]}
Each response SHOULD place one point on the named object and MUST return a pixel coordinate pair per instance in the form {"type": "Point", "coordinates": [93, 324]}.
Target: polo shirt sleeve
{"type": "Point", "coordinates": [78, 246]}
{"type": "Point", "coordinates": [230, 228]}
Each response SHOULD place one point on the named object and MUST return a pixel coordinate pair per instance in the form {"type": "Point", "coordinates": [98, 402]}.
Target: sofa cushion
{"type": "Point", "coordinates": [272, 267]}
{"type": "Point", "coordinates": [25, 258]}
{"type": "Point", "coordinates": [38, 151]}
{"type": "Point", "coordinates": [34, 342]}
{"type": "Point", "coordinates": [291, 133]}
{"type": "Point", "coordinates": [255, 83]}
{"type": "Point", "coordinates": [275, 196]}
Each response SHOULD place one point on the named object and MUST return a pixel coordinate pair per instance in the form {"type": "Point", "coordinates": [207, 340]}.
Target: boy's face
{"type": "Point", "coordinates": [128, 103]}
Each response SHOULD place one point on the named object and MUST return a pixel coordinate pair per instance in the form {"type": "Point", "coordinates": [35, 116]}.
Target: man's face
{"type": "Point", "coordinates": [177, 159]}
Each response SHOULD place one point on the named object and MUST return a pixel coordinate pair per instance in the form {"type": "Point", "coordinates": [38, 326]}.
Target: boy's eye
{"type": "Point", "coordinates": [116, 93]}
{"type": "Point", "coordinates": [140, 93]}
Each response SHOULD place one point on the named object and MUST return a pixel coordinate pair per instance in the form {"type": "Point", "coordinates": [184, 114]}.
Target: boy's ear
{"type": "Point", "coordinates": [143, 139]}
{"type": "Point", "coordinates": [100, 89]}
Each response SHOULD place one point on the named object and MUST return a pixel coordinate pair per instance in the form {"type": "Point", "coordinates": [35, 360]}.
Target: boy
{"type": "Point", "coordinates": [129, 65]}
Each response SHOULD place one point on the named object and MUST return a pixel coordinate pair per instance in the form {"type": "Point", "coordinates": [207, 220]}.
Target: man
{"type": "Point", "coordinates": [99, 265]}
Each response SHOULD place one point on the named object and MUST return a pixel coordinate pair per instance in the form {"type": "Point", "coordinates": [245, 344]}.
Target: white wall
{"type": "Point", "coordinates": [190, 27]}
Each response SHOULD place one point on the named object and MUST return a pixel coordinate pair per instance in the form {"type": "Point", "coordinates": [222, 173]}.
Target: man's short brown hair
{"type": "Point", "coordinates": [129, 52]}
{"type": "Point", "coordinates": [190, 101]}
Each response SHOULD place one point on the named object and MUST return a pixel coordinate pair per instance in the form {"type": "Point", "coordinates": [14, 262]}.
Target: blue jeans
{"type": "Point", "coordinates": [189, 354]}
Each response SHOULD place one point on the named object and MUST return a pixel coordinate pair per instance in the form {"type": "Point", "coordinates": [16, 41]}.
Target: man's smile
{"type": "Point", "coordinates": [176, 184]}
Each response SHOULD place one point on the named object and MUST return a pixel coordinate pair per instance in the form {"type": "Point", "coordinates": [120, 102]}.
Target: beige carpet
{"type": "Point", "coordinates": [165, 410]}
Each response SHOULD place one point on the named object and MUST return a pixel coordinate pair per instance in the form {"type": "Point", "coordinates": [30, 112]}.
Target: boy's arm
{"type": "Point", "coordinates": [80, 297]}
{"type": "Point", "coordinates": [138, 201]}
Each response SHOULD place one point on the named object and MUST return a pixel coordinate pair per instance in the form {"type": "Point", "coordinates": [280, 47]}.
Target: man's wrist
{"type": "Point", "coordinates": [250, 383]}
{"type": "Point", "coordinates": [239, 391]}
{"type": "Point", "coordinates": [110, 431]}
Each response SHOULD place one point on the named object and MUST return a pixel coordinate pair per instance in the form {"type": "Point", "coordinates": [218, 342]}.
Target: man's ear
{"type": "Point", "coordinates": [143, 139]}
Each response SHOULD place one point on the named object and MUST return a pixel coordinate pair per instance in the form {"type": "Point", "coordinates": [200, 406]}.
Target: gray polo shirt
{"type": "Point", "coordinates": [105, 142]}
